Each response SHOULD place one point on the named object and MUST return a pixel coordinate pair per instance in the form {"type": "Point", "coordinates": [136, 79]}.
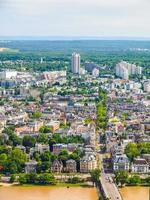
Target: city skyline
{"type": "Point", "coordinates": [70, 18]}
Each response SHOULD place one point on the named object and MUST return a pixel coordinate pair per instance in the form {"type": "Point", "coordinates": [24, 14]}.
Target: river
{"type": "Point", "coordinates": [135, 193]}
{"type": "Point", "coordinates": [47, 193]}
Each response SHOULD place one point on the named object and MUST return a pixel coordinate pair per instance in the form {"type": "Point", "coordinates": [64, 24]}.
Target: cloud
{"type": "Point", "coordinates": [75, 17]}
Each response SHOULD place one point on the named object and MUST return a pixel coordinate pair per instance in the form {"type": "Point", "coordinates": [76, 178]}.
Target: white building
{"type": "Point", "coordinates": [8, 74]}
{"type": "Point", "coordinates": [124, 70]}
{"type": "Point", "coordinates": [147, 86]}
{"type": "Point", "coordinates": [95, 72]}
{"type": "Point", "coordinates": [120, 162]}
{"type": "Point", "coordinates": [75, 63]}
{"type": "Point", "coordinates": [140, 165]}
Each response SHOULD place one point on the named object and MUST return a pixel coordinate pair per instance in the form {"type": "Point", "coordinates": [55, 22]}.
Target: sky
{"type": "Point", "coordinates": [99, 18]}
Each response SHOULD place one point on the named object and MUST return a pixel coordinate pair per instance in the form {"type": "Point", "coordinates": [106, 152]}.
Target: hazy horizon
{"type": "Point", "coordinates": [72, 38]}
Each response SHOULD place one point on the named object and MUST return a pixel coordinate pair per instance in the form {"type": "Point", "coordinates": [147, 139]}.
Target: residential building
{"type": "Point", "coordinates": [30, 167]}
{"type": "Point", "coordinates": [120, 162]}
{"type": "Point", "coordinates": [140, 165]}
{"type": "Point", "coordinates": [125, 69]}
{"type": "Point", "coordinates": [71, 166]}
{"type": "Point", "coordinates": [57, 166]}
{"type": "Point", "coordinates": [88, 163]}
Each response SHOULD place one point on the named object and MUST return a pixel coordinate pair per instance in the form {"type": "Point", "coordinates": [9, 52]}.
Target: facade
{"type": "Point", "coordinates": [41, 148]}
{"type": "Point", "coordinates": [95, 72]}
{"type": "Point", "coordinates": [75, 63]}
{"type": "Point", "coordinates": [30, 167]}
{"type": "Point", "coordinates": [71, 166]}
{"type": "Point", "coordinates": [124, 70]}
{"type": "Point", "coordinates": [54, 125]}
{"type": "Point", "coordinates": [8, 74]}
{"type": "Point", "coordinates": [120, 162]}
{"type": "Point", "coordinates": [88, 163]}
{"type": "Point", "coordinates": [147, 86]}
{"type": "Point", "coordinates": [140, 165]}
{"type": "Point", "coordinates": [57, 166]}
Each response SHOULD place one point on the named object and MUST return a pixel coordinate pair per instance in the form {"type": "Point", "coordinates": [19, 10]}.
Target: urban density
{"type": "Point", "coordinates": [75, 126]}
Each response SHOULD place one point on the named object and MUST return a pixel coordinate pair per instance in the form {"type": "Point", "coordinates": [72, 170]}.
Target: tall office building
{"type": "Point", "coordinates": [75, 63]}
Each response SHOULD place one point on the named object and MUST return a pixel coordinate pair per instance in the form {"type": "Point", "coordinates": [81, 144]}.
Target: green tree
{"type": "Point", "coordinates": [121, 177]}
{"type": "Point", "coordinates": [95, 175]}
{"type": "Point", "coordinates": [135, 180]}
{"type": "Point", "coordinates": [23, 179]}
{"type": "Point", "coordinates": [42, 138]}
{"type": "Point", "coordinates": [45, 129]}
{"type": "Point", "coordinates": [131, 151]}
{"type": "Point", "coordinates": [12, 178]}
{"type": "Point", "coordinates": [46, 179]}
{"type": "Point", "coordinates": [28, 141]}
{"type": "Point", "coordinates": [36, 115]}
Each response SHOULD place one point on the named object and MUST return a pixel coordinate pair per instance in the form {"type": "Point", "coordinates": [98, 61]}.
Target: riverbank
{"type": "Point", "coordinates": [86, 185]}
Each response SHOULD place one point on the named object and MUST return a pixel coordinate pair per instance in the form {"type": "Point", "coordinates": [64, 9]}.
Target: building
{"type": "Point", "coordinates": [125, 69]}
{"type": "Point", "coordinates": [140, 165]}
{"type": "Point", "coordinates": [120, 162]}
{"type": "Point", "coordinates": [90, 66]}
{"type": "Point", "coordinates": [75, 63]}
{"type": "Point", "coordinates": [88, 163]}
{"type": "Point", "coordinates": [41, 148]}
{"type": "Point", "coordinates": [147, 86]}
{"type": "Point", "coordinates": [8, 74]}
{"type": "Point", "coordinates": [57, 148]}
{"type": "Point", "coordinates": [53, 76]}
{"type": "Point", "coordinates": [54, 125]}
{"type": "Point", "coordinates": [30, 167]}
{"type": "Point", "coordinates": [57, 166]}
{"type": "Point", "coordinates": [95, 72]}
{"type": "Point", "coordinates": [71, 166]}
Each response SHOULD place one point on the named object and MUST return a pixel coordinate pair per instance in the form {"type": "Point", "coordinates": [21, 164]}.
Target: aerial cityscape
{"type": "Point", "coordinates": [74, 100]}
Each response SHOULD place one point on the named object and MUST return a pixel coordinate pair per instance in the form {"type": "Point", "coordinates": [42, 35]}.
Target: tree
{"type": "Point", "coordinates": [12, 178]}
{"type": "Point", "coordinates": [28, 141]}
{"type": "Point", "coordinates": [95, 175]}
{"type": "Point", "coordinates": [42, 138]}
{"type": "Point", "coordinates": [148, 180]}
{"type": "Point", "coordinates": [46, 179]}
{"type": "Point", "coordinates": [135, 180]}
{"type": "Point", "coordinates": [16, 161]}
{"type": "Point", "coordinates": [3, 159]}
{"type": "Point", "coordinates": [11, 167]}
{"type": "Point", "coordinates": [121, 177]}
{"type": "Point", "coordinates": [131, 151]}
{"type": "Point", "coordinates": [63, 156]}
{"type": "Point", "coordinates": [36, 115]}
{"type": "Point", "coordinates": [15, 139]}
{"type": "Point", "coordinates": [32, 178]}
{"type": "Point", "coordinates": [45, 129]}
{"type": "Point", "coordinates": [45, 156]}
{"type": "Point", "coordinates": [22, 179]}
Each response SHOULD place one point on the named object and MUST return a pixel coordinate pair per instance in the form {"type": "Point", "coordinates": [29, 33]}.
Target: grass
{"type": "Point", "coordinates": [57, 185]}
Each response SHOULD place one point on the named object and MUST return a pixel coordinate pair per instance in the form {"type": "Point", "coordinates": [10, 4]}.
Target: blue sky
{"type": "Point", "coordinates": [101, 18]}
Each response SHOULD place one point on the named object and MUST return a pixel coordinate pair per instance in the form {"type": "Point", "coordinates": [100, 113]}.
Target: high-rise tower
{"type": "Point", "coordinates": [75, 63]}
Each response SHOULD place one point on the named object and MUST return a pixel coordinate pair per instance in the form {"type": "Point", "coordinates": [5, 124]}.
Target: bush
{"type": "Point", "coordinates": [135, 180]}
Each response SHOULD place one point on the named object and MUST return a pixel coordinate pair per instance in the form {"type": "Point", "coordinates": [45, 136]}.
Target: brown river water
{"type": "Point", "coordinates": [47, 193]}
{"type": "Point", "coordinates": [135, 193]}
{"type": "Point", "coordinates": [63, 193]}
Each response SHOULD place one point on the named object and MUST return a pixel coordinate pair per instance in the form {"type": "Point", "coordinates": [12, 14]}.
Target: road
{"type": "Point", "coordinates": [109, 187]}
